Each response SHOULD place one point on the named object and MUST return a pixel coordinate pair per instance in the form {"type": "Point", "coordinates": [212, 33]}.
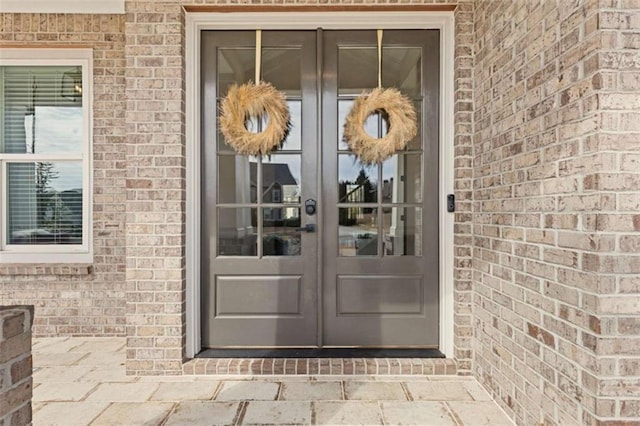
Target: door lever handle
{"type": "Point", "coordinates": [309, 227]}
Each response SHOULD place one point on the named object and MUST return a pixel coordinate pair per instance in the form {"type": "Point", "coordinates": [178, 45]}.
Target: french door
{"type": "Point", "coordinates": [308, 247]}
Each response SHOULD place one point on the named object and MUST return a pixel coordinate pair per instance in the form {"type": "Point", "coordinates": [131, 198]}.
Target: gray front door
{"type": "Point", "coordinates": [368, 276]}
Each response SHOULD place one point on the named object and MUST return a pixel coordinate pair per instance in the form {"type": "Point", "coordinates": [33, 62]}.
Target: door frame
{"type": "Point", "coordinates": [200, 21]}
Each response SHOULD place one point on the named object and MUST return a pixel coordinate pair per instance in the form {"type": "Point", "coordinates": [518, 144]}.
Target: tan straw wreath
{"type": "Point", "coordinates": [397, 109]}
{"type": "Point", "coordinates": [254, 101]}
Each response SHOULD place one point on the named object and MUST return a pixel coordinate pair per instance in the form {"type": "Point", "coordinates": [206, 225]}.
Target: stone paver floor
{"type": "Point", "coordinates": [81, 381]}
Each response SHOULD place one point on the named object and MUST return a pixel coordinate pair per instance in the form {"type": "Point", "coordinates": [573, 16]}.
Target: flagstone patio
{"type": "Point", "coordinates": [80, 381]}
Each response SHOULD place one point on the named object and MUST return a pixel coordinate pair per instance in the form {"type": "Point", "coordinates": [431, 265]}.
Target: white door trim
{"type": "Point", "coordinates": [196, 22]}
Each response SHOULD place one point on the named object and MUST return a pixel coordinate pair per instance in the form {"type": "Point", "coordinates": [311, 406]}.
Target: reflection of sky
{"type": "Point", "coordinates": [57, 130]}
{"type": "Point", "coordinates": [69, 176]}
{"type": "Point", "coordinates": [349, 169]}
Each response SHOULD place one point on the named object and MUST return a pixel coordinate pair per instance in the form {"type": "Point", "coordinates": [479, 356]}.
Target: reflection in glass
{"type": "Point", "coordinates": [237, 179]}
{"type": "Point", "coordinates": [357, 70]}
{"type": "Point", "coordinates": [294, 139]}
{"type": "Point", "coordinates": [281, 177]}
{"type": "Point", "coordinates": [41, 110]}
{"type": "Point", "coordinates": [281, 67]}
{"type": "Point", "coordinates": [280, 237]}
{"type": "Point", "coordinates": [415, 144]}
{"type": "Point", "coordinates": [44, 203]}
{"type": "Point", "coordinates": [402, 179]}
{"type": "Point", "coordinates": [357, 182]}
{"type": "Point", "coordinates": [357, 231]}
{"type": "Point", "coordinates": [237, 232]}
{"type": "Point", "coordinates": [235, 65]}
{"type": "Point", "coordinates": [402, 231]}
{"type": "Point", "coordinates": [401, 69]}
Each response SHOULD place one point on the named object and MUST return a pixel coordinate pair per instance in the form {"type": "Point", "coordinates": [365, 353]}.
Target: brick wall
{"type": "Point", "coordinates": [463, 171]}
{"type": "Point", "coordinates": [555, 191]}
{"type": "Point", "coordinates": [82, 299]}
{"type": "Point", "coordinates": [16, 384]}
{"type": "Point", "coordinates": [616, 335]}
{"type": "Point", "coordinates": [156, 184]}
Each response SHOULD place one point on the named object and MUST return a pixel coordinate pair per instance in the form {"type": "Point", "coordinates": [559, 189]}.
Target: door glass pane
{"type": "Point", "coordinates": [401, 69]}
{"type": "Point", "coordinates": [357, 69]}
{"type": "Point", "coordinates": [237, 232]}
{"type": "Point", "coordinates": [44, 203]}
{"type": "Point", "coordinates": [357, 231]}
{"type": "Point", "coordinates": [280, 237]}
{"type": "Point", "coordinates": [357, 183]}
{"type": "Point", "coordinates": [402, 229]}
{"type": "Point", "coordinates": [237, 179]}
{"type": "Point", "coordinates": [370, 125]}
{"type": "Point", "coordinates": [281, 67]}
{"type": "Point", "coordinates": [281, 178]}
{"type": "Point", "coordinates": [235, 65]}
{"type": "Point", "coordinates": [415, 144]}
{"type": "Point", "coordinates": [402, 179]}
{"type": "Point", "coordinates": [294, 139]}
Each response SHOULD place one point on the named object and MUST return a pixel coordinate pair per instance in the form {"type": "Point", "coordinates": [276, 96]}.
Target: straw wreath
{"type": "Point", "coordinates": [401, 117]}
{"type": "Point", "coordinates": [254, 100]}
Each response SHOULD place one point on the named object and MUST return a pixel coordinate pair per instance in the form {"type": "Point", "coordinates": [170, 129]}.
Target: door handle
{"type": "Point", "coordinates": [309, 227]}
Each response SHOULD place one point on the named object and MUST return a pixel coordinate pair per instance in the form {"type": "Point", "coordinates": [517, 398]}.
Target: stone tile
{"type": "Point", "coordinates": [104, 359]}
{"type": "Point", "coordinates": [60, 391]}
{"type": "Point", "coordinates": [277, 412]}
{"type": "Point", "coordinates": [97, 344]}
{"type": "Point", "coordinates": [373, 391]}
{"type": "Point", "coordinates": [55, 344]}
{"type": "Point", "coordinates": [182, 391]}
{"type": "Point", "coordinates": [416, 413]}
{"type": "Point", "coordinates": [311, 391]}
{"type": "Point", "coordinates": [134, 413]}
{"type": "Point", "coordinates": [479, 413]}
{"type": "Point", "coordinates": [476, 390]}
{"type": "Point", "coordinates": [60, 374]}
{"type": "Point", "coordinates": [173, 379]}
{"type": "Point", "coordinates": [102, 375]}
{"type": "Point", "coordinates": [123, 392]}
{"type": "Point", "coordinates": [56, 359]}
{"type": "Point", "coordinates": [203, 413]}
{"type": "Point", "coordinates": [347, 413]}
{"type": "Point", "coordinates": [68, 413]}
{"type": "Point", "coordinates": [248, 391]}
{"type": "Point", "coordinates": [440, 391]}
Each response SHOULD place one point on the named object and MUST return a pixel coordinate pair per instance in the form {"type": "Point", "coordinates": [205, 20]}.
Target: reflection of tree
{"type": "Point", "coordinates": [360, 191]}
{"type": "Point", "coordinates": [45, 173]}
{"type": "Point", "coordinates": [53, 213]}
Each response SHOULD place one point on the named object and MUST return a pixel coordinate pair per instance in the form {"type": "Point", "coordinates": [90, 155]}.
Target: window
{"type": "Point", "coordinates": [276, 195]}
{"type": "Point", "coordinates": [45, 155]}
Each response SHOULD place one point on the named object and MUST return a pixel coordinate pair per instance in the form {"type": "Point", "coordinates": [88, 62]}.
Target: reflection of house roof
{"type": "Point", "coordinates": [273, 173]}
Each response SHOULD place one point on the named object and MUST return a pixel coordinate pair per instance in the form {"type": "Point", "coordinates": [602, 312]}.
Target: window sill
{"type": "Point", "coordinates": [73, 269]}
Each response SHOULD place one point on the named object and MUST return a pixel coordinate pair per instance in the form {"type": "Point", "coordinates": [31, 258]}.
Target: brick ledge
{"type": "Point", "coordinates": [45, 269]}
{"type": "Point", "coordinates": [320, 366]}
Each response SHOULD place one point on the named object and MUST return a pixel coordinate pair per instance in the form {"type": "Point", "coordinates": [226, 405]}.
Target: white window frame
{"type": "Point", "coordinates": [50, 253]}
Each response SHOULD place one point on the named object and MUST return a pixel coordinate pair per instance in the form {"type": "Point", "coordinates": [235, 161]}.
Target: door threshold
{"type": "Point", "coordinates": [312, 366]}
{"type": "Point", "coordinates": [322, 353]}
